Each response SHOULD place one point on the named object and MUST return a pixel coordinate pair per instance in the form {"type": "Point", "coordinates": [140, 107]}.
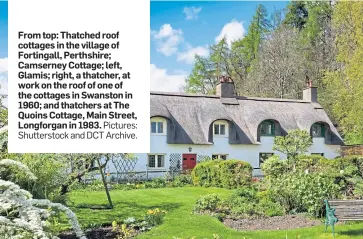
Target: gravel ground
{"type": "Point", "coordinates": [271, 223]}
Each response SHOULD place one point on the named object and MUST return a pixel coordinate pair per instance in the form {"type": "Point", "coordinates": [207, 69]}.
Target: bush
{"type": "Point", "coordinates": [274, 166]}
{"type": "Point", "coordinates": [248, 202]}
{"type": "Point", "coordinates": [244, 192]}
{"type": "Point", "coordinates": [235, 173]}
{"type": "Point", "coordinates": [156, 183]}
{"type": "Point", "coordinates": [299, 192]}
{"type": "Point", "coordinates": [182, 180]}
{"type": "Point", "coordinates": [207, 203]}
{"type": "Point", "coordinates": [270, 208]}
{"type": "Point", "coordinates": [206, 173]}
{"type": "Point", "coordinates": [222, 173]}
{"type": "Point", "coordinates": [50, 170]}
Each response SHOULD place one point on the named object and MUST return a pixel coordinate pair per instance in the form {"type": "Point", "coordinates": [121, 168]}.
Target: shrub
{"type": "Point", "coordinates": [274, 166]}
{"type": "Point", "coordinates": [245, 202]}
{"type": "Point", "coordinates": [206, 173]}
{"type": "Point", "coordinates": [245, 192]}
{"type": "Point", "coordinates": [245, 209]}
{"type": "Point", "coordinates": [156, 183]}
{"type": "Point", "coordinates": [299, 192]}
{"type": "Point", "coordinates": [182, 180]}
{"type": "Point", "coordinates": [270, 208]}
{"type": "Point", "coordinates": [235, 173]}
{"type": "Point", "coordinates": [207, 203]}
{"type": "Point", "coordinates": [222, 173]}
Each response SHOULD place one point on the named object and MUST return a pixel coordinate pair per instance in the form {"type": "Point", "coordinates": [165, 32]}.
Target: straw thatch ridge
{"type": "Point", "coordinates": [190, 117]}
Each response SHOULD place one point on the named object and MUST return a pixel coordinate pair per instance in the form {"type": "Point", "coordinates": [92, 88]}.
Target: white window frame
{"type": "Point", "coordinates": [156, 161]}
{"type": "Point", "coordinates": [219, 123]}
{"type": "Point", "coordinates": [158, 120]}
{"type": "Point", "coordinates": [219, 156]}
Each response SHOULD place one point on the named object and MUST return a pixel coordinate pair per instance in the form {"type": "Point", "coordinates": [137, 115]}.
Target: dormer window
{"type": "Point", "coordinates": [268, 128]}
{"type": "Point", "coordinates": [220, 128]}
{"type": "Point", "coordinates": [318, 130]}
{"type": "Point", "coordinates": [158, 126]}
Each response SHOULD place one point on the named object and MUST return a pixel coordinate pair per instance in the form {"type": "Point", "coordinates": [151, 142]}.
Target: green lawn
{"type": "Point", "coordinates": [179, 222]}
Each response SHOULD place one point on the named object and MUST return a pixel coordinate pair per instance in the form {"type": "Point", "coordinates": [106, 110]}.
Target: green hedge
{"type": "Point", "coordinates": [351, 165]}
{"type": "Point", "coordinates": [222, 173]}
{"type": "Point", "coordinates": [346, 172]}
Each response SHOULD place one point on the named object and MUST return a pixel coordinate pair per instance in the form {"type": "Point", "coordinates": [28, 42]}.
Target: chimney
{"type": "Point", "coordinates": [310, 93]}
{"type": "Point", "coordinates": [225, 88]}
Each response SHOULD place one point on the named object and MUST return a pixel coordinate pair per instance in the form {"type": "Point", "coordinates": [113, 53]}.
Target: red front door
{"type": "Point", "coordinates": [189, 161]}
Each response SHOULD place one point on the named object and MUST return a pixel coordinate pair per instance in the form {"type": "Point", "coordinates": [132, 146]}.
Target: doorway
{"type": "Point", "coordinates": [189, 161]}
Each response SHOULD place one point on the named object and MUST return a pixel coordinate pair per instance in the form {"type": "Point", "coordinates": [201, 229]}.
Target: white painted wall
{"type": "Point", "coordinates": [248, 153]}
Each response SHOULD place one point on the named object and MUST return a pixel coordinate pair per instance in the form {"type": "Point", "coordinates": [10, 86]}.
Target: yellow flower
{"type": "Point", "coordinates": [123, 227]}
{"type": "Point", "coordinates": [150, 212]}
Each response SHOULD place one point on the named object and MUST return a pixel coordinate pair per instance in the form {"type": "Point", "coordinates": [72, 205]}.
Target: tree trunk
{"type": "Point", "coordinates": [105, 184]}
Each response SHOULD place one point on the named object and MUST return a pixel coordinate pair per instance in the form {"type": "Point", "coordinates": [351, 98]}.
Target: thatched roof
{"type": "Point", "coordinates": [190, 117]}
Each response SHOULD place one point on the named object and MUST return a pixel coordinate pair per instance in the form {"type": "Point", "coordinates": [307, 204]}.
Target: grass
{"type": "Point", "coordinates": [179, 222]}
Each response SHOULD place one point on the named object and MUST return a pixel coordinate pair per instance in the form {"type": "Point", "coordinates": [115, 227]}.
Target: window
{"type": "Point", "coordinates": [268, 128]}
{"type": "Point", "coordinates": [318, 130]}
{"type": "Point", "coordinates": [320, 154]}
{"type": "Point", "coordinates": [157, 126]}
{"type": "Point", "coordinates": [220, 128]}
{"type": "Point", "coordinates": [263, 157]}
{"type": "Point", "coordinates": [156, 160]}
{"type": "Point", "coordinates": [219, 156]}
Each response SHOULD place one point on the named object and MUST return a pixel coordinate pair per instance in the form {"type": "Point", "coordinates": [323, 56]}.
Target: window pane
{"type": "Point", "coordinates": [266, 128]}
{"type": "Point", "coordinates": [160, 161]}
{"type": "Point", "coordinates": [152, 161]}
{"type": "Point", "coordinates": [216, 129]}
{"type": "Point", "coordinates": [222, 129]}
{"type": "Point", "coordinates": [214, 156]}
{"type": "Point", "coordinates": [223, 156]}
{"type": "Point", "coordinates": [263, 129]}
{"type": "Point", "coordinates": [317, 130]}
{"type": "Point", "coordinates": [160, 127]}
{"type": "Point", "coordinates": [153, 127]}
{"type": "Point", "coordinates": [269, 129]}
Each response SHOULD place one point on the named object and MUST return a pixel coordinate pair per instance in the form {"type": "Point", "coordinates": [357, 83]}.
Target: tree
{"type": "Point", "coordinates": [296, 15]}
{"type": "Point", "coordinates": [317, 40]}
{"type": "Point", "coordinates": [3, 116]}
{"type": "Point", "coordinates": [206, 71]}
{"type": "Point", "coordinates": [83, 164]}
{"type": "Point", "coordinates": [344, 84]}
{"type": "Point", "coordinates": [248, 47]}
{"type": "Point", "coordinates": [278, 71]}
{"type": "Point", "coordinates": [294, 143]}
{"type": "Point", "coordinates": [233, 60]}
{"type": "Point", "coordinates": [3, 112]}
{"type": "Point", "coordinates": [21, 215]}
